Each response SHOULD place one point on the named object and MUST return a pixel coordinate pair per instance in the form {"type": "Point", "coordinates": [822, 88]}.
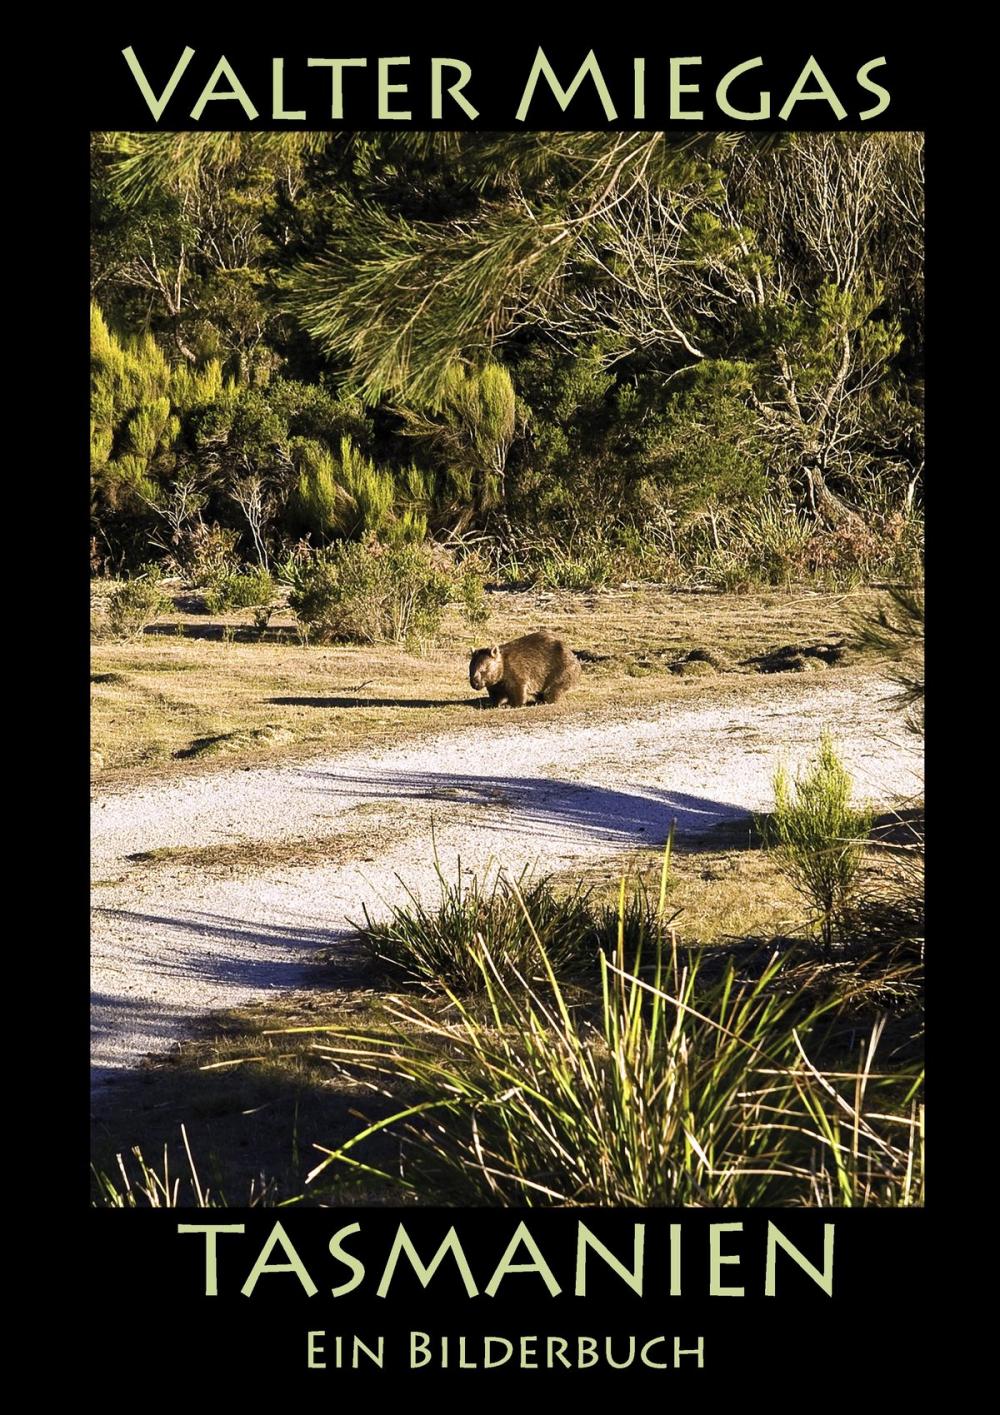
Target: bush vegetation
{"type": "Point", "coordinates": [512, 931]}
{"type": "Point", "coordinates": [245, 589]}
{"type": "Point", "coordinates": [135, 605]}
{"type": "Point", "coordinates": [373, 593]}
{"type": "Point", "coordinates": [720, 385]}
{"type": "Point", "coordinates": [819, 835]}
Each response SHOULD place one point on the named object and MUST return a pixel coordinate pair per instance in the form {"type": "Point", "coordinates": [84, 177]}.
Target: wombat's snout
{"type": "Point", "coordinates": [481, 665]}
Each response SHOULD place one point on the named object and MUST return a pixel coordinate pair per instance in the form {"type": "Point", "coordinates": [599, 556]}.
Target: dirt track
{"type": "Point", "coordinates": [236, 902]}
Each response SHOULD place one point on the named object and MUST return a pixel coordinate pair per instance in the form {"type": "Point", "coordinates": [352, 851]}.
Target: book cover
{"type": "Point", "coordinates": [505, 558]}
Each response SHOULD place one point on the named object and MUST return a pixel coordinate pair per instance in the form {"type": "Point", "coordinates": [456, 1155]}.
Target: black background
{"type": "Point", "coordinates": [134, 1303]}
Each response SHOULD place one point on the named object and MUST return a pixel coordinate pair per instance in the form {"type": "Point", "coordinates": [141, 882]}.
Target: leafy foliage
{"type": "Point", "coordinates": [526, 335]}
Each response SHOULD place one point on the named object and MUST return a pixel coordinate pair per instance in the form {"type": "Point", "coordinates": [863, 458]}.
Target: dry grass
{"type": "Point", "coordinates": [724, 886]}
{"type": "Point", "coordinates": [243, 857]}
{"type": "Point", "coordinates": [184, 694]}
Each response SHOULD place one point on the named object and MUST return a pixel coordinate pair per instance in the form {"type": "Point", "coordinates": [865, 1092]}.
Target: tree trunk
{"type": "Point", "coordinates": [827, 507]}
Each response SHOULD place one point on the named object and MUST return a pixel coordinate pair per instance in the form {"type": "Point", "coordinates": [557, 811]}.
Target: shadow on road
{"type": "Point", "coordinates": [244, 967]}
{"type": "Point", "coordinates": [538, 805]}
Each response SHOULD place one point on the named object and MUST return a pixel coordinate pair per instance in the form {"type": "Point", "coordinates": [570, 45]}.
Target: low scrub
{"type": "Point", "coordinates": [369, 593]}
{"type": "Point", "coordinates": [254, 589]}
{"type": "Point", "coordinates": [769, 542]}
{"type": "Point", "coordinates": [204, 554]}
{"type": "Point", "coordinates": [136, 605]}
{"type": "Point", "coordinates": [588, 569]}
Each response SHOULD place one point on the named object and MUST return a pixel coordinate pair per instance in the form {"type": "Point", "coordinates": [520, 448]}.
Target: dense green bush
{"type": "Point", "coordinates": [368, 592]}
{"type": "Point", "coordinates": [585, 506]}
{"type": "Point", "coordinates": [254, 589]}
{"type": "Point", "coordinates": [134, 606]}
{"type": "Point", "coordinates": [714, 385]}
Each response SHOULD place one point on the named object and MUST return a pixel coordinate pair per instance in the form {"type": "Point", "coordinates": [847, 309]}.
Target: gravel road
{"type": "Point", "coordinates": [174, 939]}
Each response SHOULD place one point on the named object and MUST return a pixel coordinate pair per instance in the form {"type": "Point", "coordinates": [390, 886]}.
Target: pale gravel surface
{"type": "Point", "coordinates": [171, 943]}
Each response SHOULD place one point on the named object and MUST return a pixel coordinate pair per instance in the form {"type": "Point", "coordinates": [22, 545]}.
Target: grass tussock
{"type": "Point", "coordinates": [664, 1089]}
{"type": "Point", "coordinates": [683, 1075]}
{"type": "Point", "coordinates": [521, 926]}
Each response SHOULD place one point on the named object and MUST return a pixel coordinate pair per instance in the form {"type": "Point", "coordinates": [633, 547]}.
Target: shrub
{"type": "Point", "coordinates": [348, 495]}
{"type": "Point", "coordinates": [137, 604]}
{"type": "Point", "coordinates": [208, 553]}
{"type": "Point", "coordinates": [819, 834]}
{"type": "Point", "coordinates": [371, 593]}
{"type": "Point", "coordinates": [314, 499]}
{"type": "Point", "coordinates": [249, 589]}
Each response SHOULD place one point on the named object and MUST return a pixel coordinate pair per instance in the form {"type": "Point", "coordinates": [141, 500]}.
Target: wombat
{"type": "Point", "coordinates": [536, 668]}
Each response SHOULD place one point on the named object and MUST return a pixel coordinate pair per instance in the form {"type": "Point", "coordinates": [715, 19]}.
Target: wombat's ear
{"type": "Point", "coordinates": [495, 651]}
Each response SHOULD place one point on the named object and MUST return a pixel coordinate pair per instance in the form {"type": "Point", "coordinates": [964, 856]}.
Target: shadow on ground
{"type": "Point", "coordinates": [540, 805]}
{"type": "Point", "coordinates": [379, 702]}
{"type": "Point", "coordinates": [265, 970]}
{"type": "Point", "coordinates": [112, 1014]}
{"type": "Point", "coordinates": [238, 633]}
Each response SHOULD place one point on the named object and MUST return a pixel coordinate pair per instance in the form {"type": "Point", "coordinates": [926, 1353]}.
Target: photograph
{"type": "Point", "coordinates": [506, 661]}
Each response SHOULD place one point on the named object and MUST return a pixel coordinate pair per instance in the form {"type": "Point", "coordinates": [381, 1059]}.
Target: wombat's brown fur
{"type": "Point", "coordinates": [536, 668]}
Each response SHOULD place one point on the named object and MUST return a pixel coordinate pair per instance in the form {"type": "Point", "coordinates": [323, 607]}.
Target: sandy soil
{"type": "Point", "coordinates": [174, 939]}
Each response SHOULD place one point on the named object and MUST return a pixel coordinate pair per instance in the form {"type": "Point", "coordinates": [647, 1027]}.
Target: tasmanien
{"type": "Point", "coordinates": [716, 1262]}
